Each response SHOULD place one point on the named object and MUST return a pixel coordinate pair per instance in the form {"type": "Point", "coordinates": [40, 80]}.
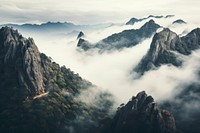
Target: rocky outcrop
{"type": "Point", "coordinates": [20, 56]}
{"type": "Point", "coordinates": [124, 39]}
{"type": "Point", "coordinates": [142, 115]}
{"type": "Point", "coordinates": [83, 44]}
{"type": "Point", "coordinates": [80, 35]}
{"type": "Point", "coordinates": [166, 48]}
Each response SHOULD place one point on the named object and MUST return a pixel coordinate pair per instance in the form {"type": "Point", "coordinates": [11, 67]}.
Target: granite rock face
{"type": "Point", "coordinates": [20, 56]}
{"type": "Point", "coordinates": [167, 47]}
{"type": "Point", "coordinates": [142, 115]}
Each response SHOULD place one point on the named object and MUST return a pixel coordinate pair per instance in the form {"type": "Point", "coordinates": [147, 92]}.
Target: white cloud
{"type": "Point", "coordinates": [110, 70]}
{"type": "Point", "coordinates": [91, 11]}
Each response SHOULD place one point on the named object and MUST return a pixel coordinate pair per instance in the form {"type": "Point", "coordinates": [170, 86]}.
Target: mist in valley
{"type": "Point", "coordinates": [87, 94]}
{"type": "Point", "coordinates": [112, 70]}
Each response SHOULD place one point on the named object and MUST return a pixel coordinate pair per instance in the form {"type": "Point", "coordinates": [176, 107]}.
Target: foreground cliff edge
{"type": "Point", "coordinates": [39, 96]}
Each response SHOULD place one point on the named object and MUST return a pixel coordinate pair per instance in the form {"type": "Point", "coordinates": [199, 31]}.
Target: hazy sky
{"type": "Point", "coordinates": [91, 11]}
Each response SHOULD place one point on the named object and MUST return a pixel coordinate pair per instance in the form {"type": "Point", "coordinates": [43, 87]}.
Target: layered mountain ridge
{"type": "Point", "coordinates": [55, 28]}
{"type": "Point", "coordinates": [124, 39]}
{"type": "Point", "coordinates": [134, 20]}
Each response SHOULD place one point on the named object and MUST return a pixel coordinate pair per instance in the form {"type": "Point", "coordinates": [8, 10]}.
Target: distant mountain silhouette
{"type": "Point", "coordinates": [132, 21]}
{"type": "Point", "coordinates": [55, 27]}
{"type": "Point", "coordinates": [179, 21]}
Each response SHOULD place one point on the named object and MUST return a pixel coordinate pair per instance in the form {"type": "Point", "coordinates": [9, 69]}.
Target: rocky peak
{"type": "Point", "coordinates": [150, 25]}
{"type": "Point", "coordinates": [142, 114]}
{"type": "Point", "coordinates": [161, 51]}
{"type": "Point", "coordinates": [165, 48]}
{"type": "Point", "coordinates": [162, 41]}
{"type": "Point", "coordinates": [80, 35]}
{"type": "Point", "coordinates": [20, 58]}
{"type": "Point", "coordinates": [167, 40]}
{"type": "Point", "coordinates": [132, 21]}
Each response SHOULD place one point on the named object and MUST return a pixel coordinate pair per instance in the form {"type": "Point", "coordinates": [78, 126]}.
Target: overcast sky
{"type": "Point", "coordinates": [91, 11]}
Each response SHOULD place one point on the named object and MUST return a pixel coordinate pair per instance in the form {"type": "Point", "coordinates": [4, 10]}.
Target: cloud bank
{"type": "Point", "coordinates": [111, 70]}
{"type": "Point", "coordinates": [91, 11]}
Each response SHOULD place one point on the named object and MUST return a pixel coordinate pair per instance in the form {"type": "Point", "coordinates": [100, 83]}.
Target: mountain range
{"type": "Point", "coordinates": [124, 39]}
{"type": "Point", "coordinates": [37, 95]}
{"type": "Point", "coordinates": [168, 48]}
{"type": "Point", "coordinates": [134, 20]}
{"type": "Point", "coordinates": [55, 28]}
{"type": "Point", "coordinates": [141, 115]}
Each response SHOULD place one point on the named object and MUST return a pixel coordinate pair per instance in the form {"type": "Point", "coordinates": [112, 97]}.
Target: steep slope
{"type": "Point", "coordinates": [141, 115]}
{"type": "Point", "coordinates": [167, 47]}
{"type": "Point", "coordinates": [39, 96]}
{"type": "Point", "coordinates": [20, 57]}
{"type": "Point", "coordinates": [126, 38]}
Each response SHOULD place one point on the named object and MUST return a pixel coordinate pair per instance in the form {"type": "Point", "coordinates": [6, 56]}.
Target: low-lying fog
{"type": "Point", "coordinates": [111, 70]}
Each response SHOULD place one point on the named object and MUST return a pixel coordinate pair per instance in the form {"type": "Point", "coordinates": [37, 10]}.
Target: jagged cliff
{"type": "Point", "coordinates": [80, 35]}
{"type": "Point", "coordinates": [39, 96]}
{"type": "Point", "coordinates": [19, 58]}
{"type": "Point", "coordinates": [167, 47]}
{"type": "Point", "coordinates": [141, 115]}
